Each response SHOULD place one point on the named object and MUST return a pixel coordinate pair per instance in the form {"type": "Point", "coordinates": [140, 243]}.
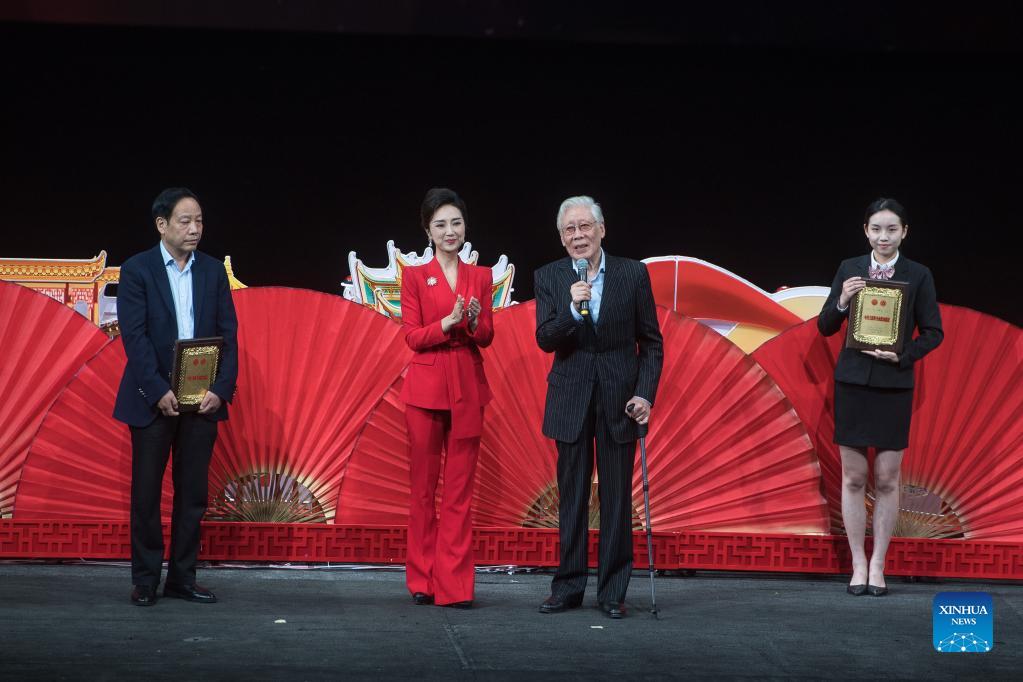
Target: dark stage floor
{"type": "Point", "coordinates": [75, 622]}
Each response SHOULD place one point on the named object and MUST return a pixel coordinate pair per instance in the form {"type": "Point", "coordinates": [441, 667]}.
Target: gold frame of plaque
{"type": "Point", "coordinates": [202, 354]}
{"type": "Point", "coordinates": [876, 316]}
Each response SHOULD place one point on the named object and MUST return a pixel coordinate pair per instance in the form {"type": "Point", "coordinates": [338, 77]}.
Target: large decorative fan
{"type": "Point", "coordinates": [311, 367]}
{"type": "Point", "coordinates": [42, 344]}
{"type": "Point", "coordinates": [79, 465]}
{"type": "Point", "coordinates": [962, 473]}
{"type": "Point", "coordinates": [727, 452]}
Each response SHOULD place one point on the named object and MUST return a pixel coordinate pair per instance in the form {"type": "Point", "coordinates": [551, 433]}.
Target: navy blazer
{"type": "Point", "coordinates": [856, 367]}
{"type": "Point", "coordinates": [149, 328]}
{"type": "Point", "coordinates": [623, 352]}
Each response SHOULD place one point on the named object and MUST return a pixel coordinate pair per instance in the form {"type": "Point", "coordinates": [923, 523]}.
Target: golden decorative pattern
{"type": "Point", "coordinates": [890, 335]}
{"type": "Point", "coordinates": [47, 270]}
{"type": "Point", "coordinates": [110, 275]}
{"type": "Point", "coordinates": [191, 391]}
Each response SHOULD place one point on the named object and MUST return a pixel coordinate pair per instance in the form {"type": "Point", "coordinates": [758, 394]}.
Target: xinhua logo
{"type": "Point", "coordinates": [963, 622]}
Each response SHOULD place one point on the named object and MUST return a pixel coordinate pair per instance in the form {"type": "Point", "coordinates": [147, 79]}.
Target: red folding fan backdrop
{"type": "Point", "coordinates": [966, 440]}
{"type": "Point", "coordinates": [311, 367]}
{"type": "Point", "coordinates": [727, 451]}
{"type": "Point", "coordinates": [42, 344]}
{"type": "Point", "coordinates": [79, 465]}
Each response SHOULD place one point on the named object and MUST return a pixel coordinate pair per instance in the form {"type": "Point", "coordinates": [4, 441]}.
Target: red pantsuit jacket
{"type": "Point", "coordinates": [446, 372]}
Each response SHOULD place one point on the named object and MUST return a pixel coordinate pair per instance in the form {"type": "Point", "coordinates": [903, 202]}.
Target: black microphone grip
{"type": "Point", "coordinates": [580, 267]}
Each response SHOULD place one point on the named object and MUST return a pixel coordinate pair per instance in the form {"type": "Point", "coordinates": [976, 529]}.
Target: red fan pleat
{"type": "Point", "coordinates": [79, 465]}
{"type": "Point", "coordinates": [966, 440]}
{"type": "Point", "coordinates": [42, 344]}
{"type": "Point", "coordinates": [518, 464]}
{"type": "Point", "coordinates": [375, 485]}
{"type": "Point", "coordinates": [802, 363]}
{"type": "Point", "coordinates": [727, 451]}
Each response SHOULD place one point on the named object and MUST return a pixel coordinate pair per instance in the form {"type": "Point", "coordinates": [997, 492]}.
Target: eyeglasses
{"type": "Point", "coordinates": [583, 227]}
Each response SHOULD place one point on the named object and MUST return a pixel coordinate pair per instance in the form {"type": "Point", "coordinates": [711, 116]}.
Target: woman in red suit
{"type": "Point", "coordinates": [446, 316]}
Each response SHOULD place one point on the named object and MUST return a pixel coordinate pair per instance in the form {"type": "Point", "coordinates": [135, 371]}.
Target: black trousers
{"type": "Point", "coordinates": [190, 437]}
{"type": "Point", "coordinates": [575, 474]}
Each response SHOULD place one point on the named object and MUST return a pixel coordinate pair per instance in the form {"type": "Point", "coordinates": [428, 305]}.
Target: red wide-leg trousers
{"type": "Point", "coordinates": [439, 558]}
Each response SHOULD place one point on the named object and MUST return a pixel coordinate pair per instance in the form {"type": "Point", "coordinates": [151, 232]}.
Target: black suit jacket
{"type": "Point", "coordinates": [149, 328]}
{"type": "Point", "coordinates": [854, 366]}
{"type": "Point", "coordinates": [623, 353]}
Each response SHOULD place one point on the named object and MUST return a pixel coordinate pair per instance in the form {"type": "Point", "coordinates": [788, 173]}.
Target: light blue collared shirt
{"type": "Point", "coordinates": [181, 292]}
{"type": "Point", "coordinates": [596, 293]}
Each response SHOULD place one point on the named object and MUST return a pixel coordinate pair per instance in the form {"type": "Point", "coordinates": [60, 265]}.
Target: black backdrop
{"type": "Point", "coordinates": [305, 145]}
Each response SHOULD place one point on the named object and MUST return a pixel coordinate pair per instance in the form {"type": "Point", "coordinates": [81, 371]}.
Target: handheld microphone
{"type": "Point", "coordinates": [580, 267]}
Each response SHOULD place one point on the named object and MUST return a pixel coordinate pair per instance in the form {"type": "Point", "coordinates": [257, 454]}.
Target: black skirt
{"type": "Point", "coordinates": [867, 416]}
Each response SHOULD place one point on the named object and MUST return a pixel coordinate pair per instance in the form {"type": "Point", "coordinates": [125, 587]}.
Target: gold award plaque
{"type": "Point", "coordinates": [876, 316]}
{"type": "Point", "coordinates": [195, 369]}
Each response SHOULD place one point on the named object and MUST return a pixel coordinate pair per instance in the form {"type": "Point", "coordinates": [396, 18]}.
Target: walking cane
{"type": "Point", "coordinates": [642, 429]}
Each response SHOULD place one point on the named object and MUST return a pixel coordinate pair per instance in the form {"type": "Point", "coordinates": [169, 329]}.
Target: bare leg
{"type": "Point", "coordinates": [886, 509]}
{"type": "Point", "coordinates": [854, 512]}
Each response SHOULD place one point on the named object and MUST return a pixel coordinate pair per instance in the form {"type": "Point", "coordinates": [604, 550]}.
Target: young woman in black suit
{"type": "Point", "coordinates": [874, 388]}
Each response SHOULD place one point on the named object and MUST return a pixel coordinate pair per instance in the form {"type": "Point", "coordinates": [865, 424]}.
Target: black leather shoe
{"type": "Point", "coordinates": [459, 605]}
{"type": "Point", "coordinates": [613, 609]}
{"type": "Point", "coordinates": [554, 604]}
{"type": "Point", "coordinates": [877, 591]}
{"type": "Point", "coordinates": [196, 593]}
{"type": "Point", "coordinates": [143, 595]}
{"type": "Point", "coordinates": [856, 590]}
{"type": "Point", "coordinates": [421, 598]}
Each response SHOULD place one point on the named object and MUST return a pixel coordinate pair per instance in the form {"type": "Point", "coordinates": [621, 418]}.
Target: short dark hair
{"type": "Point", "coordinates": [434, 199]}
{"type": "Point", "coordinates": [165, 201]}
{"type": "Point", "coordinates": [885, 204]}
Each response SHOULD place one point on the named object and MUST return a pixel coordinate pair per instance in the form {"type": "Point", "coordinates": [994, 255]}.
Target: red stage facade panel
{"type": "Point", "coordinates": [322, 543]}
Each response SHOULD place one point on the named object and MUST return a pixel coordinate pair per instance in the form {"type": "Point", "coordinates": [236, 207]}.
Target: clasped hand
{"type": "Point", "coordinates": [460, 312]}
{"type": "Point", "coordinates": [168, 404]}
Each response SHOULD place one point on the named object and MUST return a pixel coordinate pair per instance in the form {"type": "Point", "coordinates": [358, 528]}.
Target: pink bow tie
{"type": "Point", "coordinates": [882, 272]}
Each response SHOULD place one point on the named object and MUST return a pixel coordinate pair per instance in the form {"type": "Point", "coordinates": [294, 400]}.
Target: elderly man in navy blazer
{"type": "Point", "coordinates": [596, 313]}
{"type": "Point", "coordinates": [167, 293]}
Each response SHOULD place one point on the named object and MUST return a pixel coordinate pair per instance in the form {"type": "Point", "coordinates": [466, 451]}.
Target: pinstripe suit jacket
{"type": "Point", "coordinates": [623, 353]}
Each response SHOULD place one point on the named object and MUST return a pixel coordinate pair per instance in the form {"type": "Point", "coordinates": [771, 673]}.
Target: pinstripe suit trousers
{"type": "Point", "coordinates": [614, 479]}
